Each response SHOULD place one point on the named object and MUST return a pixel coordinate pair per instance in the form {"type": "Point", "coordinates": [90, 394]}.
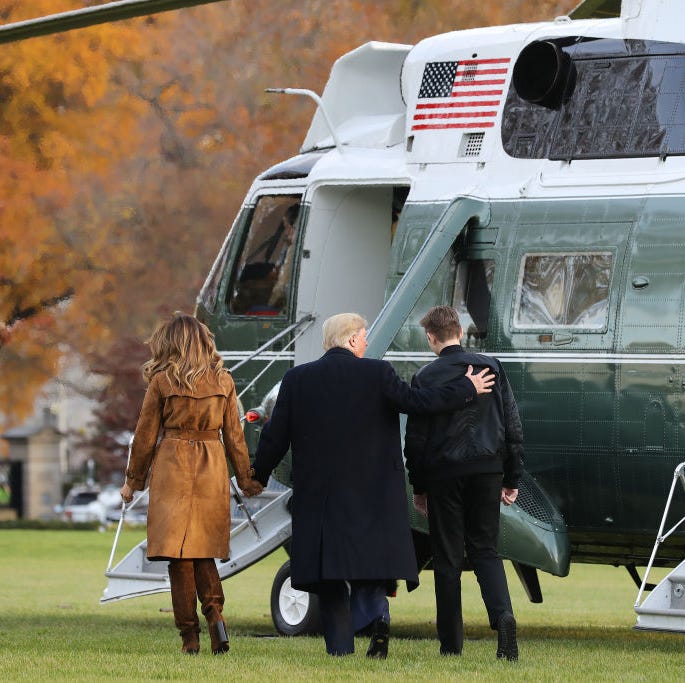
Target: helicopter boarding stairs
{"type": "Point", "coordinates": [664, 608]}
{"type": "Point", "coordinates": [253, 537]}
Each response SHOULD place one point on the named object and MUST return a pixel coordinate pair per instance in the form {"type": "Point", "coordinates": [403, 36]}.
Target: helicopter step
{"type": "Point", "coordinates": [252, 538]}
{"type": "Point", "coordinates": [664, 608]}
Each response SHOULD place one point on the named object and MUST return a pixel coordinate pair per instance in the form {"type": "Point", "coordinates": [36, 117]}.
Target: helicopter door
{"type": "Point", "coordinates": [650, 379]}
{"type": "Point", "coordinates": [345, 258]}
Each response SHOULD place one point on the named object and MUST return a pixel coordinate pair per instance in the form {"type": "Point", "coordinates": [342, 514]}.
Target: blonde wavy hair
{"type": "Point", "coordinates": [183, 347]}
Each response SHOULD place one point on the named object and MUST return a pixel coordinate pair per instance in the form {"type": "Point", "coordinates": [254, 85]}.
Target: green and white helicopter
{"type": "Point", "coordinates": [533, 176]}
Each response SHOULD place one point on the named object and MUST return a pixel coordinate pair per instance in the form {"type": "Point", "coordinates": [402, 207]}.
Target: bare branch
{"type": "Point", "coordinates": [22, 313]}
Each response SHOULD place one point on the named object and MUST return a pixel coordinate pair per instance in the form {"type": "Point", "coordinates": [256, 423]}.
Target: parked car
{"type": "Point", "coordinates": [86, 503]}
{"type": "Point", "coordinates": [83, 504]}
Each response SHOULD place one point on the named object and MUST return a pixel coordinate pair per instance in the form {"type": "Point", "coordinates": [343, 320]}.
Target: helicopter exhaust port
{"type": "Point", "coordinates": [544, 74]}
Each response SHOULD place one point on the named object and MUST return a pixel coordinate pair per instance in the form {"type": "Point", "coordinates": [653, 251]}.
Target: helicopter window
{"type": "Point", "coordinates": [210, 289]}
{"type": "Point", "coordinates": [622, 98]}
{"type": "Point", "coordinates": [260, 282]}
{"type": "Point", "coordinates": [564, 290]}
{"type": "Point", "coordinates": [472, 293]}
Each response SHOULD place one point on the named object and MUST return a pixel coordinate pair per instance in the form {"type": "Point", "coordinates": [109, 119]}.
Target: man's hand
{"type": "Point", "coordinates": [509, 495]}
{"type": "Point", "coordinates": [421, 504]}
{"type": "Point", "coordinates": [254, 488]}
{"type": "Point", "coordinates": [483, 381]}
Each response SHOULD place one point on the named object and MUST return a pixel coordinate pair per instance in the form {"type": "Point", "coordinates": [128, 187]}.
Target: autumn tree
{"type": "Point", "coordinates": [119, 400]}
{"type": "Point", "coordinates": [126, 150]}
{"type": "Point", "coordinates": [56, 127]}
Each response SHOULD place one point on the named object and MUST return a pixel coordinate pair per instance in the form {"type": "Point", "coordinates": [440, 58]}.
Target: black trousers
{"type": "Point", "coordinates": [463, 515]}
{"type": "Point", "coordinates": [347, 606]}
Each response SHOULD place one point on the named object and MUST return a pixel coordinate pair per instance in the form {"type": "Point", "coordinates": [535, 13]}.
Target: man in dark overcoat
{"type": "Point", "coordinates": [350, 525]}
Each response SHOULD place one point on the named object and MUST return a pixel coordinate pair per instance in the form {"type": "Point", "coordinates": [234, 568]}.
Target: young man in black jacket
{"type": "Point", "coordinates": [461, 465]}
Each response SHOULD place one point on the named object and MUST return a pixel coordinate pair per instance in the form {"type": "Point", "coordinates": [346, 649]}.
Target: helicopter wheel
{"type": "Point", "coordinates": [294, 612]}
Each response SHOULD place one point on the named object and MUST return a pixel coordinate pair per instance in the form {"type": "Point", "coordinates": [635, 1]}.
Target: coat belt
{"type": "Point", "coordinates": [192, 434]}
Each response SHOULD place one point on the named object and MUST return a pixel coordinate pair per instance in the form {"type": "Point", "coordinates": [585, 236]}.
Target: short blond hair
{"type": "Point", "coordinates": [338, 329]}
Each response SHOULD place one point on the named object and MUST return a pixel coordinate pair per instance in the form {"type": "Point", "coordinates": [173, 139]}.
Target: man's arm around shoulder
{"type": "Point", "coordinates": [454, 395]}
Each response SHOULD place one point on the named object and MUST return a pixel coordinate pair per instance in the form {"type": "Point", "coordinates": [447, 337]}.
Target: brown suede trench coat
{"type": "Point", "coordinates": [189, 512]}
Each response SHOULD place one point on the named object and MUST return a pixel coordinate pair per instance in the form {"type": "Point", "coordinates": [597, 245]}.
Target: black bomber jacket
{"type": "Point", "coordinates": [485, 437]}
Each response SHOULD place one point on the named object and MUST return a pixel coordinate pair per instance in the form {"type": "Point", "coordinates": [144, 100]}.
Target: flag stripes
{"type": "Point", "coordinates": [443, 82]}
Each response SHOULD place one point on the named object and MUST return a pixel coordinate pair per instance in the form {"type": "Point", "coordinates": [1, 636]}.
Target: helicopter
{"type": "Point", "coordinates": [532, 176]}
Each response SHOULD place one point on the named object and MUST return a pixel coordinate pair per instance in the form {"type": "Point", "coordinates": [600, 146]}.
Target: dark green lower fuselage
{"type": "Point", "coordinates": [602, 405]}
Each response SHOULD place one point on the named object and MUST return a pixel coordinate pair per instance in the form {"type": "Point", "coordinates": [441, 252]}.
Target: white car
{"type": "Point", "coordinates": [83, 504]}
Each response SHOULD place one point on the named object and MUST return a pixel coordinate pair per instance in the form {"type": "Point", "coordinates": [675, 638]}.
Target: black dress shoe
{"type": "Point", "coordinates": [507, 647]}
{"type": "Point", "coordinates": [378, 647]}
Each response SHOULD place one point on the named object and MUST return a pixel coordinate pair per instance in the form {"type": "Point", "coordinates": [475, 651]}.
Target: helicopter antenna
{"type": "Point", "coordinates": [319, 104]}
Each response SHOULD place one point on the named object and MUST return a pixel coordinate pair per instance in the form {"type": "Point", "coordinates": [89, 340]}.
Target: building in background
{"type": "Point", "coordinates": [44, 457]}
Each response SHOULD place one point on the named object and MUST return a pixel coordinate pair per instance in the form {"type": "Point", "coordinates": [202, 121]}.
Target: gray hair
{"type": "Point", "coordinates": [338, 329]}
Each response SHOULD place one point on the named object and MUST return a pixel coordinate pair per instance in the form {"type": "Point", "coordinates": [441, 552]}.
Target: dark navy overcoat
{"type": "Point", "coordinates": [340, 416]}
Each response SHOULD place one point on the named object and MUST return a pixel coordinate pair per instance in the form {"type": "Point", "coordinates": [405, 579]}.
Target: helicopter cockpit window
{"type": "Point", "coordinates": [261, 278]}
{"type": "Point", "coordinates": [564, 290]}
{"type": "Point", "coordinates": [210, 289]}
{"type": "Point", "coordinates": [472, 293]}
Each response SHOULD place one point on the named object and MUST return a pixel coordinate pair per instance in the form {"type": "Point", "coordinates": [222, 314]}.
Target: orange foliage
{"type": "Point", "coordinates": [58, 124]}
{"type": "Point", "coordinates": [125, 151]}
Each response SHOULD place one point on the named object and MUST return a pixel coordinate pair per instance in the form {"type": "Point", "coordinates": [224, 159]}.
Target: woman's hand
{"type": "Point", "coordinates": [252, 488]}
{"type": "Point", "coordinates": [126, 493]}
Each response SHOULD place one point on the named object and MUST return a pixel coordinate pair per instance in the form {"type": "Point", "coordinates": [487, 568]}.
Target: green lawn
{"type": "Point", "coordinates": [52, 627]}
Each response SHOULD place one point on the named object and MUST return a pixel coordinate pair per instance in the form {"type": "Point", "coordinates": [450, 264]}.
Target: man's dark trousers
{"type": "Point", "coordinates": [463, 513]}
{"type": "Point", "coordinates": [344, 603]}
{"type": "Point", "coordinates": [336, 620]}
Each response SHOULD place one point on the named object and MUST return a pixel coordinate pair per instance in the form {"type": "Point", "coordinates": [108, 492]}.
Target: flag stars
{"type": "Point", "coordinates": [438, 79]}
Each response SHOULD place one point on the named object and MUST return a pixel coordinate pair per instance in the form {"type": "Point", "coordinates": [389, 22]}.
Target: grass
{"type": "Point", "coordinates": [53, 628]}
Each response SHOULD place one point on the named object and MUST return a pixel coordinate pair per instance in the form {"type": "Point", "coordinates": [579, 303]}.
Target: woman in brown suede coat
{"type": "Point", "coordinates": [190, 403]}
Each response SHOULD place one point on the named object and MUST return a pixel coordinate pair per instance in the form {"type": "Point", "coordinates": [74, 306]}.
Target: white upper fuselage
{"type": "Point", "coordinates": [389, 135]}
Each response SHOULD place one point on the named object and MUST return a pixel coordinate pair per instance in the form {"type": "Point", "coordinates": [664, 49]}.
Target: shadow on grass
{"type": "Point", "coordinates": [118, 634]}
{"type": "Point", "coordinates": [128, 634]}
{"type": "Point", "coordinates": [611, 638]}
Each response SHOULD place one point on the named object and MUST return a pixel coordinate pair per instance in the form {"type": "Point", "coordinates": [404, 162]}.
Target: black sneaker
{"type": "Point", "coordinates": [378, 647]}
{"type": "Point", "coordinates": [507, 646]}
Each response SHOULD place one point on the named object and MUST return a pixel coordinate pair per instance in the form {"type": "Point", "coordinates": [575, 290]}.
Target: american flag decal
{"type": "Point", "coordinates": [463, 94]}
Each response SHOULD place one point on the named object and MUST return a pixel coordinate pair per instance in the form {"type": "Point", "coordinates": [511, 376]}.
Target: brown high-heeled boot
{"type": "Point", "coordinates": [211, 595]}
{"type": "Point", "coordinates": [184, 601]}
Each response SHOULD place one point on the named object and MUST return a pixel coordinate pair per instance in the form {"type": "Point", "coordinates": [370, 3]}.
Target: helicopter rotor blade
{"type": "Point", "coordinates": [91, 16]}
